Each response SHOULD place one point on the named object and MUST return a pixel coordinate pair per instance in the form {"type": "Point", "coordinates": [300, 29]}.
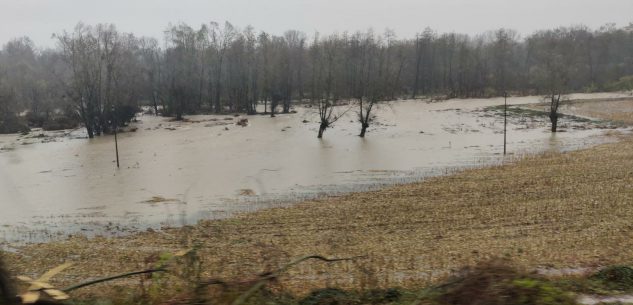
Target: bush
{"type": "Point", "coordinates": [623, 84]}
{"type": "Point", "coordinates": [123, 114]}
{"type": "Point", "coordinates": [495, 283]}
{"type": "Point", "coordinates": [12, 124]}
{"type": "Point", "coordinates": [35, 119]}
{"type": "Point", "coordinates": [592, 88]}
{"type": "Point", "coordinates": [60, 123]}
{"type": "Point", "coordinates": [329, 296]}
{"type": "Point", "coordinates": [534, 291]}
{"type": "Point", "coordinates": [614, 278]}
{"type": "Point", "coordinates": [378, 296]}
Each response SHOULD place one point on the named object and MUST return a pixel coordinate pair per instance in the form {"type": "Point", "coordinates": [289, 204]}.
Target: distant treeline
{"type": "Point", "coordinates": [99, 76]}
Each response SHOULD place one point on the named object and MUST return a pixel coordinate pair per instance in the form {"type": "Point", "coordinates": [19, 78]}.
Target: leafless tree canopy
{"type": "Point", "coordinates": [97, 76]}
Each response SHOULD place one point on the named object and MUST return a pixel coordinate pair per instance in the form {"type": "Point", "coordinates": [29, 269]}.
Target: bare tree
{"type": "Point", "coordinates": [94, 69]}
{"type": "Point", "coordinates": [554, 57]}
{"type": "Point", "coordinates": [325, 61]}
{"type": "Point", "coordinates": [295, 44]}
{"type": "Point", "coordinates": [221, 39]}
{"type": "Point", "coordinates": [151, 65]}
{"type": "Point", "coordinates": [81, 51]}
{"type": "Point", "coordinates": [418, 64]}
{"type": "Point", "coordinates": [7, 105]}
{"type": "Point", "coordinates": [374, 77]}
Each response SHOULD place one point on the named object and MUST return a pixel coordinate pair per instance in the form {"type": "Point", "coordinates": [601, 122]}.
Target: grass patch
{"type": "Point", "coordinates": [516, 111]}
{"type": "Point", "coordinates": [523, 112]}
{"type": "Point", "coordinates": [612, 111]}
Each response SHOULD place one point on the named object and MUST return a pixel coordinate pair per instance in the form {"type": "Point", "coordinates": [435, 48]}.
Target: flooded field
{"type": "Point", "coordinates": [176, 173]}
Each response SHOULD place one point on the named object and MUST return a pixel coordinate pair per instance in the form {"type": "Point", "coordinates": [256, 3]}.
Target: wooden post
{"type": "Point", "coordinates": [116, 142]}
{"type": "Point", "coordinates": [116, 147]}
{"type": "Point", "coordinates": [505, 120]}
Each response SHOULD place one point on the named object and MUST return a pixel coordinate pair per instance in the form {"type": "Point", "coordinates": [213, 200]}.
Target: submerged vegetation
{"type": "Point", "coordinates": [531, 116]}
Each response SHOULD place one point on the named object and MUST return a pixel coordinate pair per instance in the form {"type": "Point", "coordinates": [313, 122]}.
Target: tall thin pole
{"type": "Point", "coordinates": [116, 147]}
{"type": "Point", "coordinates": [116, 142]}
{"type": "Point", "coordinates": [505, 120]}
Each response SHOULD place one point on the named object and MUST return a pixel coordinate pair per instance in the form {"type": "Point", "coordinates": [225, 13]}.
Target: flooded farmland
{"type": "Point", "coordinates": [176, 173]}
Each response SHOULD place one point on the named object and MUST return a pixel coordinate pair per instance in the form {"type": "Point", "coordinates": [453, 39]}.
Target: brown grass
{"type": "Point", "coordinates": [559, 210]}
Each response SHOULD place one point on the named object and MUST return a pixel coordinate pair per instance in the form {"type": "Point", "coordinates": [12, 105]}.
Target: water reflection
{"type": "Point", "coordinates": [553, 144]}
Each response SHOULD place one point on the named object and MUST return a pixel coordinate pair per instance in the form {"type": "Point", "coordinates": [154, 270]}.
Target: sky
{"type": "Point", "coordinates": [39, 19]}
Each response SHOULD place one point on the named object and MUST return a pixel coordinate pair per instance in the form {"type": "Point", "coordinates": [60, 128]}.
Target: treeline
{"type": "Point", "coordinates": [98, 76]}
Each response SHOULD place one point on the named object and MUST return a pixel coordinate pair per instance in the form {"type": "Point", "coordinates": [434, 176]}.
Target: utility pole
{"type": "Point", "coordinates": [505, 120]}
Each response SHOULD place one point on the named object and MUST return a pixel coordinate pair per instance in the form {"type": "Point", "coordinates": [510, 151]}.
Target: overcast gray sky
{"type": "Point", "coordinates": [38, 19]}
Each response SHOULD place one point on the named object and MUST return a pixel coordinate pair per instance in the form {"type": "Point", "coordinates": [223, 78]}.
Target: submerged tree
{"type": "Point", "coordinates": [182, 62]}
{"type": "Point", "coordinates": [221, 39]}
{"type": "Point", "coordinates": [102, 69]}
{"type": "Point", "coordinates": [553, 53]}
{"type": "Point", "coordinates": [553, 113]}
{"type": "Point", "coordinates": [8, 104]}
{"type": "Point", "coordinates": [365, 69]}
{"type": "Point", "coordinates": [151, 67]}
{"type": "Point", "coordinates": [371, 75]}
{"type": "Point", "coordinates": [325, 86]}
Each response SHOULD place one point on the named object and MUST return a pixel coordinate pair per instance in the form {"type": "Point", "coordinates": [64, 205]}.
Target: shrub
{"type": "Point", "coordinates": [614, 278]}
{"type": "Point", "coordinates": [12, 124]}
{"type": "Point", "coordinates": [379, 296]}
{"type": "Point", "coordinates": [495, 283]}
{"type": "Point", "coordinates": [623, 84]}
{"type": "Point", "coordinates": [123, 114]}
{"type": "Point", "coordinates": [60, 123]}
{"type": "Point", "coordinates": [329, 296]}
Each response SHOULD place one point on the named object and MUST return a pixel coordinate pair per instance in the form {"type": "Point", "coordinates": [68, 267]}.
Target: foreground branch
{"type": "Point", "coordinates": [265, 277]}
{"type": "Point", "coordinates": [111, 278]}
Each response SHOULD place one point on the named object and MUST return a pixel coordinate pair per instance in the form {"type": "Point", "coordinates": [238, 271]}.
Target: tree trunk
{"type": "Point", "coordinates": [155, 104]}
{"type": "Point", "coordinates": [418, 62]}
{"type": "Point", "coordinates": [553, 117]}
{"type": "Point", "coordinates": [363, 130]}
{"type": "Point", "coordinates": [286, 107]}
{"type": "Point", "coordinates": [218, 106]}
{"type": "Point", "coordinates": [90, 131]}
{"type": "Point", "coordinates": [322, 128]}
{"type": "Point", "coordinates": [553, 114]}
{"type": "Point", "coordinates": [273, 107]}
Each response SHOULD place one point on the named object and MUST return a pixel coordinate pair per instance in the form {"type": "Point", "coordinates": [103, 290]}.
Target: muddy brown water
{"type": "Point", "coordinates": [176, 173]}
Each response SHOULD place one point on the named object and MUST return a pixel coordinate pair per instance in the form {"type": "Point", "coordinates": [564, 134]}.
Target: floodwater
{"type": "Point", "coordinates": [176, 173]}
